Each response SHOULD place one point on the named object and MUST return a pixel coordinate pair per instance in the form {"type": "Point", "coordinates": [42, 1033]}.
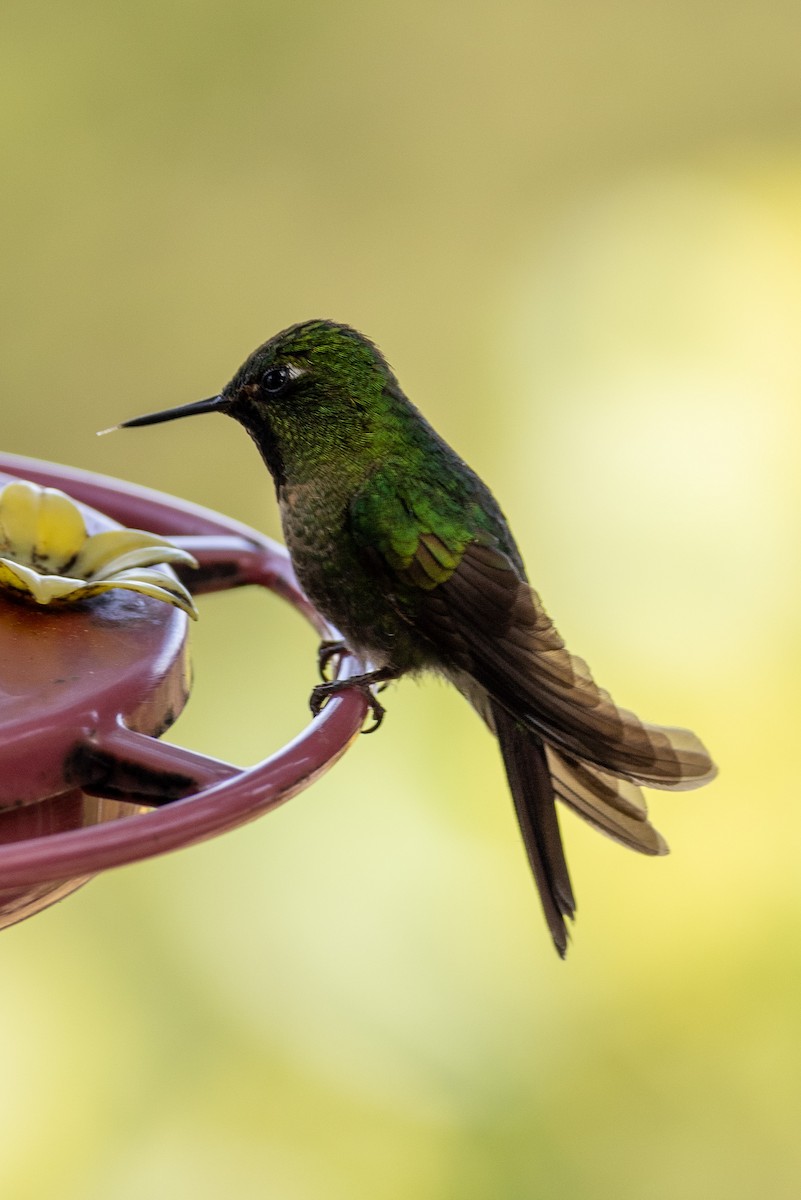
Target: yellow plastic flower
{"type": "Point", "coordinates": [46, 555]}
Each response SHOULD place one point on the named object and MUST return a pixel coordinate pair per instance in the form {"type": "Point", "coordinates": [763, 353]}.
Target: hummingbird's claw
{"type": "Point", "coordinates": [323, 692]}
{"type": "Point", "coordinates": [360, 683]}
{"type": "Point", "coordinates": [325, 652]}
{"type": "Point", "coordinates": [377, 712]}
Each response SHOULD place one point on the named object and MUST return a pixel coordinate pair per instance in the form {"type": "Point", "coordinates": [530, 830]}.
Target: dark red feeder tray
{"type": "Point", "coordinates": [85, 692]}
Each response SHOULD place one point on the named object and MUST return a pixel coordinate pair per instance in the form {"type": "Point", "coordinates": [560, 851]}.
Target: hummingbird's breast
{"type": "Point", "coordinates": [341, 584]}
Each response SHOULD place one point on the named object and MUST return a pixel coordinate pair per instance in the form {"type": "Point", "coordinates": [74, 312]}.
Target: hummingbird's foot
{"type": "Point", "coordinates": [325, 652]}
{"type": "Point", "coordinates": [361, 683]}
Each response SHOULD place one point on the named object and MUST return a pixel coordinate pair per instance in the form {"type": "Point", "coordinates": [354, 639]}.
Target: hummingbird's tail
{"type": "Point", "coordinates": [614, 806]}
{"type": "Point", "coordinates": [538, 776]}
{"type": "Point", "coordinates": [529, 773]}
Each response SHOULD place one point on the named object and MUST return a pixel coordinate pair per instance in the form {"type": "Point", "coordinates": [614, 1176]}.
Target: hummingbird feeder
{"type": "Point", "coordinates": [86, 691]}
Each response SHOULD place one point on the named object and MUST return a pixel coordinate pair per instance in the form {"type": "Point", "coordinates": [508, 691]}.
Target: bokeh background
{"type": "Point", "coordinates": [576, 232]}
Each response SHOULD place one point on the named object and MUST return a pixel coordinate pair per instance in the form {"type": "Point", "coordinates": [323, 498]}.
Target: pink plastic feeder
{"type": "Point", "coordinates": [85, 693]}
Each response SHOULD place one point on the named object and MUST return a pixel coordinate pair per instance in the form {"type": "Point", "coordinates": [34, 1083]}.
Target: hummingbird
{"type": "Point", "coordinates": [404, 549]}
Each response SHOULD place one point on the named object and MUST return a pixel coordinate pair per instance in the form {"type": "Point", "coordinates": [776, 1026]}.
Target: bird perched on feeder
{"type": "Point", "coordinates": [405, 550]}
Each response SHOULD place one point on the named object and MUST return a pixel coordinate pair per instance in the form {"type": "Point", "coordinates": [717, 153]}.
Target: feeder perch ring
{"type": "Point", "coordinates": [90, 689]}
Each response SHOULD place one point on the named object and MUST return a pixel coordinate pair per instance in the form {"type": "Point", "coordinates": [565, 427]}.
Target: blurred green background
{"type": "Point", "coordinates": [575, 230]}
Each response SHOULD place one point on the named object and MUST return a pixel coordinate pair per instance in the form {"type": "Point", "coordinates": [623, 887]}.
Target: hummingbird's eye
{"type": "Point", "coordinates": [276, 379]}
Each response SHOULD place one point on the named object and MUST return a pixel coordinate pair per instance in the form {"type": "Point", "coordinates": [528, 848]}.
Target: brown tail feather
{"type": "Point", "coordinates": [529, 778]}
{"type": "Point", "coordinates": [613, 806]}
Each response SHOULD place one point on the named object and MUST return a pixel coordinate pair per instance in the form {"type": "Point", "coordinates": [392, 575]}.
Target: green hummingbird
{"type": "Point", "coordinates": [405, 550]}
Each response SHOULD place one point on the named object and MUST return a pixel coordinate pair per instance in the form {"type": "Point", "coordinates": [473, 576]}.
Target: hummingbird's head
{"type": "Point", "coordinates": [312, 372]}
{"type": "Point", "coordinates": [311, 392]}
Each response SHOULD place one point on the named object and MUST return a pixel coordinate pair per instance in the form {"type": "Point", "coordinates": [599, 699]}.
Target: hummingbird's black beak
{"type": "Point", "coordinates": [213, 404]}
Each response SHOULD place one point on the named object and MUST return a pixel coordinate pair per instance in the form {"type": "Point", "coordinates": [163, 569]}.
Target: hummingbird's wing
{"type": "Point", "coordinates": [515, 652]}
{"type": "Point", "coordinates": [560, 734]}
{"type": "Point", "coordinates": [472, 602]}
